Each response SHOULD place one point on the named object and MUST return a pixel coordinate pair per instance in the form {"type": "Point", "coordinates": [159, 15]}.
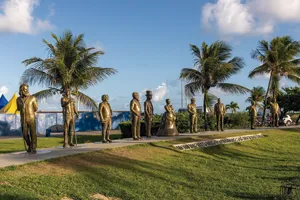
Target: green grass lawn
{"type": "Point", "coordinates": [14, 145]}
{"type": "Point", "coordinates": [249, 170]}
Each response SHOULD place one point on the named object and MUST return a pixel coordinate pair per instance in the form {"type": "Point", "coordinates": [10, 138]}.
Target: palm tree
{"type": "Point", "coordinates": [70, 65]}
{"type": "Point", "coordinates": [233, 106]}
{"type": "Point", "coordinates": [278, 58]}
{"type": "Point", "coordinates": [257, 95]}
{"type": "Point", "coordinates": [210, 101]}
{"type": "Point", "coordinates": [212, 68]}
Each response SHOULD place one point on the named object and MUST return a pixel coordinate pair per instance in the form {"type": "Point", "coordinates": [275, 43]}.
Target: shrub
{"type": "Point", "coordinates": [238, 120]}
{"type": "Point", "coordinates": [126, 128]}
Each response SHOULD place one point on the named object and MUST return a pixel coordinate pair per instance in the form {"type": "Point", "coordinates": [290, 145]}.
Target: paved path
{"type": "Point", "coordinates": [19, 158]}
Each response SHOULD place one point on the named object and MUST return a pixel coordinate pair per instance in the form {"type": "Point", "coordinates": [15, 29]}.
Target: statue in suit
{"type": "Point", "coordinates": [105, 114]}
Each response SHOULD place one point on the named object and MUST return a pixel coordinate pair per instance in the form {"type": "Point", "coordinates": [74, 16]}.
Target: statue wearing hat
{"type": "Point", "coordinates": [105, 114]}
{"type": "Point", "coordinates": [135, 109]}
{"type": "Point", "coordinates": [148, 108]}
{"type": "Point", "coordinates": [192, 109]}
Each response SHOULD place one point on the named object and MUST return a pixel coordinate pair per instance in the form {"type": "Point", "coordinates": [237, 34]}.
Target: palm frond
{"type": "Point", "coordinates": [262, 69]}
{"type": "Point", "coordinates": [34, 76]}
{"type": "Point", "coordinates": [45, 94]}
{"type": "Point", "coordinates": [86, 100]}
{"type": "Point", "coordinates": [232, 88]}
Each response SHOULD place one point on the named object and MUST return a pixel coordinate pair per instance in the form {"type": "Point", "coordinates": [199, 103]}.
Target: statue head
{"type": "Point", "coordinates": [104, 98]}
{"type": "Point", "coordinates": [219, 100]}
{"type": "Point", "coordinates": [168, 101]}
{"type": "Point", "coordinates": [149, 94]}
{"type": "Point", "coordinates": [193, 100]}
{"type": "Point", "coordinates": [24, 90]}
{"type": "Point", "coordinates": [135, 95]}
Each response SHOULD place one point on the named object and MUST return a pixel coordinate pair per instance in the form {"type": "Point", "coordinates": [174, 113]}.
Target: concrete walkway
{"type": "Point", "coordinates": [19, 158]}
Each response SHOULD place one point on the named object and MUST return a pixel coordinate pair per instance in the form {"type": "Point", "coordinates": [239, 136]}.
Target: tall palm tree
{"type": "Point", "coordinates": [256, 95]}
{"type": "Point", "coordinates": [212, 67]}
{"type": "Point", "coordinates": [233, 106]}
{"type": "Point", "coordinates": [210, 101]}
{"type": "Point", "coordinates": [279, 59]}
{"type": "Point", "coordinates": [70, 65]}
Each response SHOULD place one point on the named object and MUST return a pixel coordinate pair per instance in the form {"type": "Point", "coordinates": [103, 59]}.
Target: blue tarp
{"type": "Point", "coordinates": [3, 101]}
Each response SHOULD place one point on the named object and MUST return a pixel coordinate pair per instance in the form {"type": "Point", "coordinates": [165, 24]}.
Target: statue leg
{"type": "Point", "coordinates": [218, 122]}
{"type": "Point", "coordinates": [33, 141]}
{"type": "Point", "coordinates": [277, 120]}
{"type": "Point", "coordinates": [138, 128]}
{"type": "Point", "coordinates": [71, 132]}
{"type": "Point", "coordinates": [222, 122]}
{"type": "Point", "coordinates": [108, 131]}
{"type": "Point", "coordinates": [104, 131]}
{"type": "Point", "coordinates": [191, 124]}
{"type": "Point", "coordinates": [195, 124]}
{"type": "Point", "coordinates": [26, 136]}
{"type": "Point", "coordinates": [133, 127]}
{"type": "Point", "coordinates": [66, 132]}
{"type": "Point", "coordinates": [273, 120]}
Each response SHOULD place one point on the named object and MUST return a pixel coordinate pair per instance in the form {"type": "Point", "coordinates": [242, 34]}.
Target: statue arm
{"type": "Point", "coordinates": [64, 102]}
{"type": "Point", "coordinates": [75, 109]}
{"type": "Point", "coordinates": [224, 109]}
{"type": "Point", "coordinates": [132, 110]}
{"type": "Point", "coordinates": [110, 109]}
{"type": "Point", "coordinates": [35, 105]}
{"type": "Point", "coordinates": [100, 112]}
{"type": "Point", "coordinates": [168, 109]}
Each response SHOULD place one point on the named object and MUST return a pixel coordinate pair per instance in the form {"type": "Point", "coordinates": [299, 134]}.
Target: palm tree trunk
{"type": "Point", "coordinates": [266, 98]}
{"type": "Point", "coordinates": [204, 109]}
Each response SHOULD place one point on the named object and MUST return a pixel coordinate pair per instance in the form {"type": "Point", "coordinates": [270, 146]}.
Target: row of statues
{"type": "Point", "coordinates": [27, 105]}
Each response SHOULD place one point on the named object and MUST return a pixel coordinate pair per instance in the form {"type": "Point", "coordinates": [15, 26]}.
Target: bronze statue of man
{"type": "Point", "coordinates": [220, 111]}
{"type": "Point", "coordinates": [275, 110]}
{"type": "Point", "coordinates": [27, 105]}
{"type": "Point", "coordinates": [148, 108]}
{"type": "Point", "coordinates": [135, 109]}
{"type": "Point", "coordinates": [105, 114]}
{"type": "Point", "coordinates": [192, 109]}
{"type": "Point", "coordinates": [253, 114]}
{"type": "Point", "coordinates": [69, 109]}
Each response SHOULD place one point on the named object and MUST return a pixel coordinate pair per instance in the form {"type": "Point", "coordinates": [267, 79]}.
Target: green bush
{"type": "Point", "coordinates": [125, 128]}
{"type": "Point", "coordinates": [238, 120]}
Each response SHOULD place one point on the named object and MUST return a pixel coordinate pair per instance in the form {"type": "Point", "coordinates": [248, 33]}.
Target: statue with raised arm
{"type": "Point", "coordinates": [148, 108]}
{"type": "Point", "coordinates": [275, 111]}
{"type": "Point", "coordinates": [27, 105]}
{"type": "Point", "coordinates": [192, 110]}
{"type": "Point", "coordinates": [168, 123]}
{"type": "Point", "coordinates": [105, 114]}
{"type": "Point", "coordinates": [135, 109]}
{"type": "Point", "coordinates": [253, 114]}
{"type": "Point", "coordinates": [220, 111]}
{"type": "Point", "coordinates": [69, 109]}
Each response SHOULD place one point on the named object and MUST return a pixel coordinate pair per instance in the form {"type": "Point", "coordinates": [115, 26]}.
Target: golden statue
{"type": "Point", "coordinates": [168, 124]}
{"type": "Point", "coordinates": [253, 114]}
{"type": "Point", "coordinates": [148, 108]}
{"type": "Point", "coordinates": [135, 108]}
{"type": "Point", "coordinates": [275, 110]}
{"type": "Point", "coordinates": [27, 106]}
{"type": "Point", "coordinates": [220, 111]}
{"type": "Point", "coordinates": [192, 109]}
{"type": "Point", "coordinates": [69, 109]}
{"type": "Point", "coordinates": [105, 114]}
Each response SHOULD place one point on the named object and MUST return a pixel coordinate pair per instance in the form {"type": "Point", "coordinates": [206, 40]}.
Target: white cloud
{"type": "Point", "coordinates": [51, 10]}
{"type": "Point", "coordinates": [237, 17]}
{"type": "Point", "coordinates": [160, 92]}
{"type": "Point", "coordinates": [3, 90]}
{"type": "Point", "coordinates": [17, 17]}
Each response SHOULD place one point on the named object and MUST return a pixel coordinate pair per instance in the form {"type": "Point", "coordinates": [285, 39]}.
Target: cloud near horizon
{"type": "Point", "coordinates": [16, 16]}
{"type": "Point", "coordinates": [3, 90]}
{"type": "Point", "coordinates": [251, 17]}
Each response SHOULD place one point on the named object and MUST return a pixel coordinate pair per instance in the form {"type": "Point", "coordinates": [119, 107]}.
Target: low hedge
{"type": "Point", "coordinates": [238, 120]}
{"type": "Point", "coordinates": [126, 129]}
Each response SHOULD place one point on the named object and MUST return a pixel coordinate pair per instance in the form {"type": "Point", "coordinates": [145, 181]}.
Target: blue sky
{"type": "Point", "coordinates": [146, 41]}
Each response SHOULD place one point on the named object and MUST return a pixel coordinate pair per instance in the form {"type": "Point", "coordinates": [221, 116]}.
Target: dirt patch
{"type": "Point", "coordinates": [66, 198]}
{"type": "Point", "coordinates": [5, 183]}
{"type": "Point", "coordinates": [55, 169]}
{"type": "Point", "coordinates": [102, 197]}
